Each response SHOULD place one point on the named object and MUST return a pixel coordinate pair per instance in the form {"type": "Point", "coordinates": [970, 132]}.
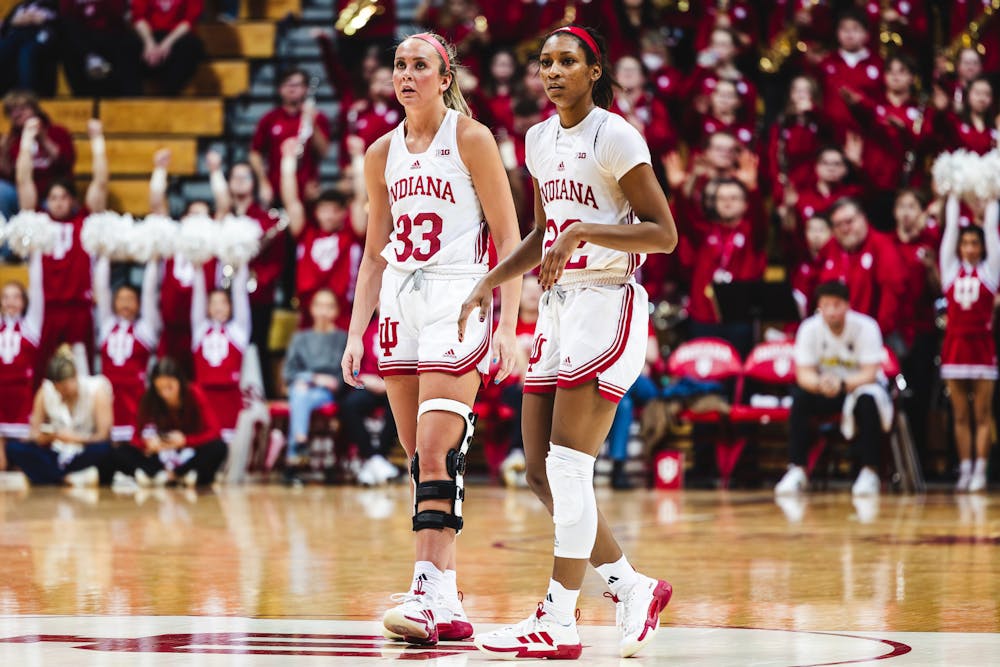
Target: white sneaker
{"type": "Point", "coordinates": [386, 469]}
{"type": "Point", "coordinates": [412, 619]}
{"type": "Point", "coordinates": [964, 480]}
{"type": "Point", "coordinates": [867, 483]}
{"type": "Point", "coordinates": [977, 482]}
{"type": "Point", "coordinates": [637, 612]}
{"type": "Point", "coordinates": [793, 483]}
{"type": "Point", "coordinates": [512, 469]}
{"type": "Point", "coordinates": [368, 474]}
{"type": "Point", "coordinates": [538, 636]}
{"type": "Point", "coordinates": [83, 478]}
{"type": "Point", "coordinates": [453, 624]}
{"type": "Point", "coordinates": [122, 483]}
{"type": "Point", "coordinates": [793, 507]}
{"type": "Point", "coordinates": [190, 479]}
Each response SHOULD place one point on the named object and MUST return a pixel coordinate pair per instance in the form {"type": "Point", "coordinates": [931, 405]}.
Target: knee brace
{"type": "Point", "coordinates": [574, 506]}
{"type": "Point", "coordinates": [454, 489]}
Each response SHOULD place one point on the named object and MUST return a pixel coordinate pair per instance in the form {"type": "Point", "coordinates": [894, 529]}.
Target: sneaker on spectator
{"type": "Point", "coordinates": [793, 483]}
{"type": "Point", "coordinates": [513, 467]}
{"type": "Point", "coordinates": [376, 471]}
{"type": "Point", "coordinates": [977, 482]}
{"type": "Point", "coordinates": [190, 479]}
{"type": "Point", "coordinates": [83, 478]}
{"type": "Point", "coordinates": [867, 483]}
{"type": "Point", "coordinates": [122, 483]}
{"type": "Point", "coordinates": [388, 470]}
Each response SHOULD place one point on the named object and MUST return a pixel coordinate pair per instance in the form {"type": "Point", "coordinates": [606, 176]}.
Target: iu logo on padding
{"type": "Point", "coordinates": [387, 336]}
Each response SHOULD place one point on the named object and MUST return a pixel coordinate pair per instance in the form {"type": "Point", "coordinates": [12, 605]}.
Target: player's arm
{"type": "Point", "coordinates": [369, 280]}
{"type": "Point", "coordinates": [96, 199]}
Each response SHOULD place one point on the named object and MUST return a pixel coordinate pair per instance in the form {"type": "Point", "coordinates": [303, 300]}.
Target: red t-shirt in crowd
{"type": "Point", "coordinates": [792, 146]}
{"type": "Point", "coordinates": [46, 169]}
{"type": "Point", "coordinates": [656, 127]}
{"type": "Point", "coordinates": [916, 314]}
{"type": "Point", "coordinates": [201, 429]}
{"type": "Point", "coordinates": [272, 130]}
{"type": "Point", "coordinates": [719, 253]}
{"type": "Point", "coordinates": [327, 260]}
{"type": "Point", "coordinates": [165, 15]}
{"type": "Point", "coordinates": [889, 132]}
{"type": "Point", "coordinates": [834, 74]}
{"type": "Point", "coordinates": [267, 266]}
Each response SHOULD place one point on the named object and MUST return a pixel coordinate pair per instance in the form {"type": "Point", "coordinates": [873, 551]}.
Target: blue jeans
{"type": "Point", "coordinates": [41, 464]}
{"type": "Point", "coordinates": [8, 199]}
{"type": "Point", "coordinates": [641, 392]}
{"type": "Point", "coordinates": [302, 400]}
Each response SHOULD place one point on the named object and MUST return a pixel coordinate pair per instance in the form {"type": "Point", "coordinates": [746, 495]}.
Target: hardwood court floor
{"type": "Point", "coordinates": [265, 575]}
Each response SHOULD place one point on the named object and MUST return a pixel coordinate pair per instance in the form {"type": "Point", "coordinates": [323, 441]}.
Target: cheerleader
{"type": "Point", "coordinates": [129, 329]}
{"type": "Point", "coordinates": [970, 269]}
{"type": "Point", "coordinates": [21, 314]}
{"type": "Point", "coordinates": [220, 334]}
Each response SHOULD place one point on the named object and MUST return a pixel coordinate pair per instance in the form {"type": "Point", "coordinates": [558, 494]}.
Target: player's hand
{"type": "Point", "coordinates": [504, 352]}
{"type": "Point", "coordinates": [481, 297]}
{"type": "Point", "coordinates": [350, 364]}
{"type": "Point", "coordinates": [558, 254]}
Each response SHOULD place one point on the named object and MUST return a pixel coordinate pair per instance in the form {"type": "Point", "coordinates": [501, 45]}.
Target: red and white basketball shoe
{"type": "Point", "coordinates": [453, 624]}
{"type": "Point", "coordinates": [538, 636]}
{"type": "Point", "coordinates": [637, 612]}
{"type": "Point", "coordinates": [412, 619]}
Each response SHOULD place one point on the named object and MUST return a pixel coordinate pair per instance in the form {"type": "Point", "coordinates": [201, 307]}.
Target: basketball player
{"type": "Point", "coordinates": [129, 328]}
{"type": "Point", "coordinates": [598, 208]}
{"type": "Point", "coordinates": [437, 191]}
{"type": "Point", "coordinates": [220, 334]}
{"type": "Point", "coordinates": [970, 271]}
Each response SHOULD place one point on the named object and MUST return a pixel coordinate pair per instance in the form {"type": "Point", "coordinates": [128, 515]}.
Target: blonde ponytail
{"type": "Point", "coordinates": [62, 365]}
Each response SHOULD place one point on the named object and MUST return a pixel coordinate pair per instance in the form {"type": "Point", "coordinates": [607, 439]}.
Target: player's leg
{"type": "Point", "coordinates": [958, 390]}
{"type": "Point", "coordinates": [982, 402]}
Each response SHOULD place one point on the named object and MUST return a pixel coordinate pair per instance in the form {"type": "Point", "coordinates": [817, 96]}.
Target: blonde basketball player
{"type": "Point", "coordinates": [437, 191]}
{"type": "Point", "coordinates": [598, 208]}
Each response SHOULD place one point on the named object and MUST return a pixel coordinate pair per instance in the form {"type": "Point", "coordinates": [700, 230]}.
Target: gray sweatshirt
{"type": "Point", "coordinates": [313, 352]}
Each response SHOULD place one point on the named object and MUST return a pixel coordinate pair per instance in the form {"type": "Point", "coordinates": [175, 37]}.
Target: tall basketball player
{"type": "Point", "coordinates": [970, 271]}
{"type": "Point", "coordinates": [598, 208]}
{"type": "Point", "coordinates": [437, 192]}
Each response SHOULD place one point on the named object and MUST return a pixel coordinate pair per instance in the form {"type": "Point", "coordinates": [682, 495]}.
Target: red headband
{"type": "Point", "coordinates": [583, 35]}
{"type": "Point", "coordinates": [438, 46]}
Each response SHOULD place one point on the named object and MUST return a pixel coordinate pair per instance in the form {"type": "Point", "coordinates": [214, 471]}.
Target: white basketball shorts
{"type": "Point", "coordinates": [589, 332]}
{"type": "Point", "coordinates": [418, 323]}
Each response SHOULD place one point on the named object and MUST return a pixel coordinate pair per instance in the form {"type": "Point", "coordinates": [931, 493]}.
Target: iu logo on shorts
{"type": "Point", "coordinates": [387, 336]}
{"type": "Point", "coordinates": [536, 351]}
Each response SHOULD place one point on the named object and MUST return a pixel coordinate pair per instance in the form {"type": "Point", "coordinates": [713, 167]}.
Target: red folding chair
{"type": "Point", "coordinates": [770, 365]}
{"type": "Point", "coordinates": [711, 360]}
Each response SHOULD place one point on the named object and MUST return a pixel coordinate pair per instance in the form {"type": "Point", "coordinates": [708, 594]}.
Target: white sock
{"type": "Point", "coordinates": [965, 467]}
{"type": "Point", "coordinates": [560, 603]}
{"type": "Point", "coordinates": [980, 467]}
{"type": "Point", "coordinates": [427, 579]}
{"type": "Point", "coordinates": [619, 576]}
{"type": "Point", "coordinates": [449, 585]}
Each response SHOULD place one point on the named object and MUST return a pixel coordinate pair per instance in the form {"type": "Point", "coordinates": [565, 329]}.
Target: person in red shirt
{"type": "Point", "coordinates": [866, 261]}
{"type": "Point", "coordinates": [976, 127]}
{"type": "Point", "coordinates": [52, 151]}
{"type": "Point", "coordinates": [796, 138]}
{"type": "Point", "coordinates": [737, 16]}
{"type": "Point", "coordinates": [329, 248]}
{"type": "Point", "coordinates": [499, 88]}
{"type": "Point", "coordinates": [812, 20]}
{"type": "Point", "coordinates": [901, 24]}
{"type": "Point", "coordinates": [372, 116]}
{"type": "Point", "coordinates": [128, 332]}
{"type": "Point", "coordinates": [717, 62]}
{"type": "Point", "coordinates": [729, 247]}
{"type": "Point", "coordinates": [961, 14]}
{"type": "Point", "coordinates": [177, 436]}
{"type": "Point", "coordinates": [669, 84]}
{"type": "Point", "coordinates": [805, 276]}
{"type": "Point", "coordinates": [101, 54]}
{"type": "Point", "coordinates": [851, 66]}
{"type": "Point", "coordinates": [238, 195]}
{"type": "Point", "coordinates": [297, 118]}
{"type": "Point", "coordinates": [968, 66]}
{"type": "Point", "coordinates": [721, 112]}
{"type": "Point", "coordinates": [66, 269]}
{"type": "Point", "coordinates": [646, 113]}
{"type": "Point", "coordinates": [171, 50]}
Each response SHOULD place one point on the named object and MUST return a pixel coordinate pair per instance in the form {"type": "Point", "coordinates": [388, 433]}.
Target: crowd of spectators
{"type": "Point", "coordinates": [795, 134]}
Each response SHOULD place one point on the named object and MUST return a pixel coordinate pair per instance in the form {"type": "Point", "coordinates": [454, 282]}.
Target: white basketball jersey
{"type": "Point", "coordinates": [578, 170]}
{"type": "Point", "coordinates": [437, 217]}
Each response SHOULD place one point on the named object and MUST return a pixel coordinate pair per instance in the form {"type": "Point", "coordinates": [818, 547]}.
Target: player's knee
{"type": "Point", "coordinates": [574, 506]}
{"type": "Point", "coordinates": [538, 482]}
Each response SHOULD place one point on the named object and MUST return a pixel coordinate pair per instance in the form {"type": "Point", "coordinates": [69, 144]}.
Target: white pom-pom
{"type": "Point", "coordinates": [29, 231]}
{"type": "Point", "coordinates": [966, 165]}
{"type": "Point", "coordinates": [198, 238]}
{"type": "Point", "coordinates": [105, 233]}
{"type": "Point", "coordinates": [155, 237]}
{"type": "Point", "coordinates": [943, 173]}
{"type": "Point", "coordinates": [239, 240]}
{"type": "Point", "coordinates": [990, 168]}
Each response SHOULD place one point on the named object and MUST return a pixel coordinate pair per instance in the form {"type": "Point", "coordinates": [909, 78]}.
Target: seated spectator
{"type": "Point", "coordinates": [668, 81]}
{"type": "Point", "coordinates": [643, 111]}
{"type": "Point", "coordinates": [867, 262]}
{"type": "Point", "coordinates": [796, 138]}
{"type": "Point", "coordinates": [728, 247]}
{"type": "Point", "coordinates": [70, 435]}
{"type": "Point", "coordinates": [720, 112]}
{"type": "Point", "coordinates": [805, 278]}
{"type": "Point", "coordinates": [296, 118]}
{"type": "Point", "coordinates": [51, 149]}
{"type": "Point", "coordinates": [28, 47]}
{"type": "Point", "coordinates": [128, 332]}
{"type": "Point", "coordinates": [968, 66]}
{"type": "Point", "coordinates": [976, 127]}
{"type": "Point", "coordinates": [970, 271]}
{"type": "Point", "coordinates": [838, 355]}
{"type": "Point", "coordinates": [852, 66]}
{"type": "Point", "coordinates": [739, 17]}
{"type": "Point", "coordinates": [456, 21]}
{"type": "Point", "coordinates": [373, 115]}
{"type": "Point", "coordinates": [177, 437]}
{"type": "Point", "coordinates": [960, 14]}
{"type": "Point", "coordinates": [101, 54]}
{"type": "Point", "coordinates": [329, 249]}
{"type": "Point", "coordinates": [901, 25]}
{"type": "Point", "coordinates": [220, 334]}
{"type": "Point", "coordinates": [722, 157]}
{"type": "Point", "coordinates": [312, 375]}
{"type": "Point", "coordinates": [499, 91]}
{"type": "Point", "coordinates": [66, 270]}
{"type": "Point", "coordinates": [716, 63]}
{"type": "Point", "coordinates": [171, 50]}
{"type": "Point", "coordinates": [21, 314]}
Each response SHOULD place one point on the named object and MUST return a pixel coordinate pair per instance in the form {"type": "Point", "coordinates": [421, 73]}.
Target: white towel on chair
{"type": "Point", "coordinates": [882, 402]}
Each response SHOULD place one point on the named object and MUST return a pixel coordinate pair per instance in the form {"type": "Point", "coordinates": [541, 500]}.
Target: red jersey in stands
{"type": "Point", "coordinates": [199, 428]}
{"type": "Point", "coordinates": [889, 133]}
{"type": "Point", "coordinates": [67, 268]}
{"type": "Point", "coordinates": [740, 15]}
{"type": "Point", "coordinates": [917, 305]}
{"type": "Point", "coordinates": [328, 260]}
{"type": "Point", "coordinates": [873, 274]}
{"type": "Point", "coordinates": [793, 143]}
{"type": "Point", "coordinates": [267, 266]}
{"type": "Point", "coordinates": [165, 15]}
{"type": "Point", "coordinates": [862, 72]}
{"type": "Point", "coordinates": [369, 121]}
{"type": "Point", "coordinates": [719, 253]}
{"type": "Point", "coordinates": [953, 132]}
{"type": "Point", "coordinates": [272, 130]}
{"type": "Point", "coordinates": [46, 168]}
{"type": "Point", "coordinates": [669, 84]}
{"type": "Point", "coordinates": [703, 126]}
{"type": "Point", "coordinates": [655, 121]}
{"type": "Point", "coordinates": [703, 81]}
{"type": "Point", "coordinates": [814, 202]}
{"type": "Point", "coordinates": [805, 280]}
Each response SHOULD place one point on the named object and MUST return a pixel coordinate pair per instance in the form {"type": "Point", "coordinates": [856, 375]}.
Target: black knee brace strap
{"type": "Point", "coordinates": [452, 490]}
